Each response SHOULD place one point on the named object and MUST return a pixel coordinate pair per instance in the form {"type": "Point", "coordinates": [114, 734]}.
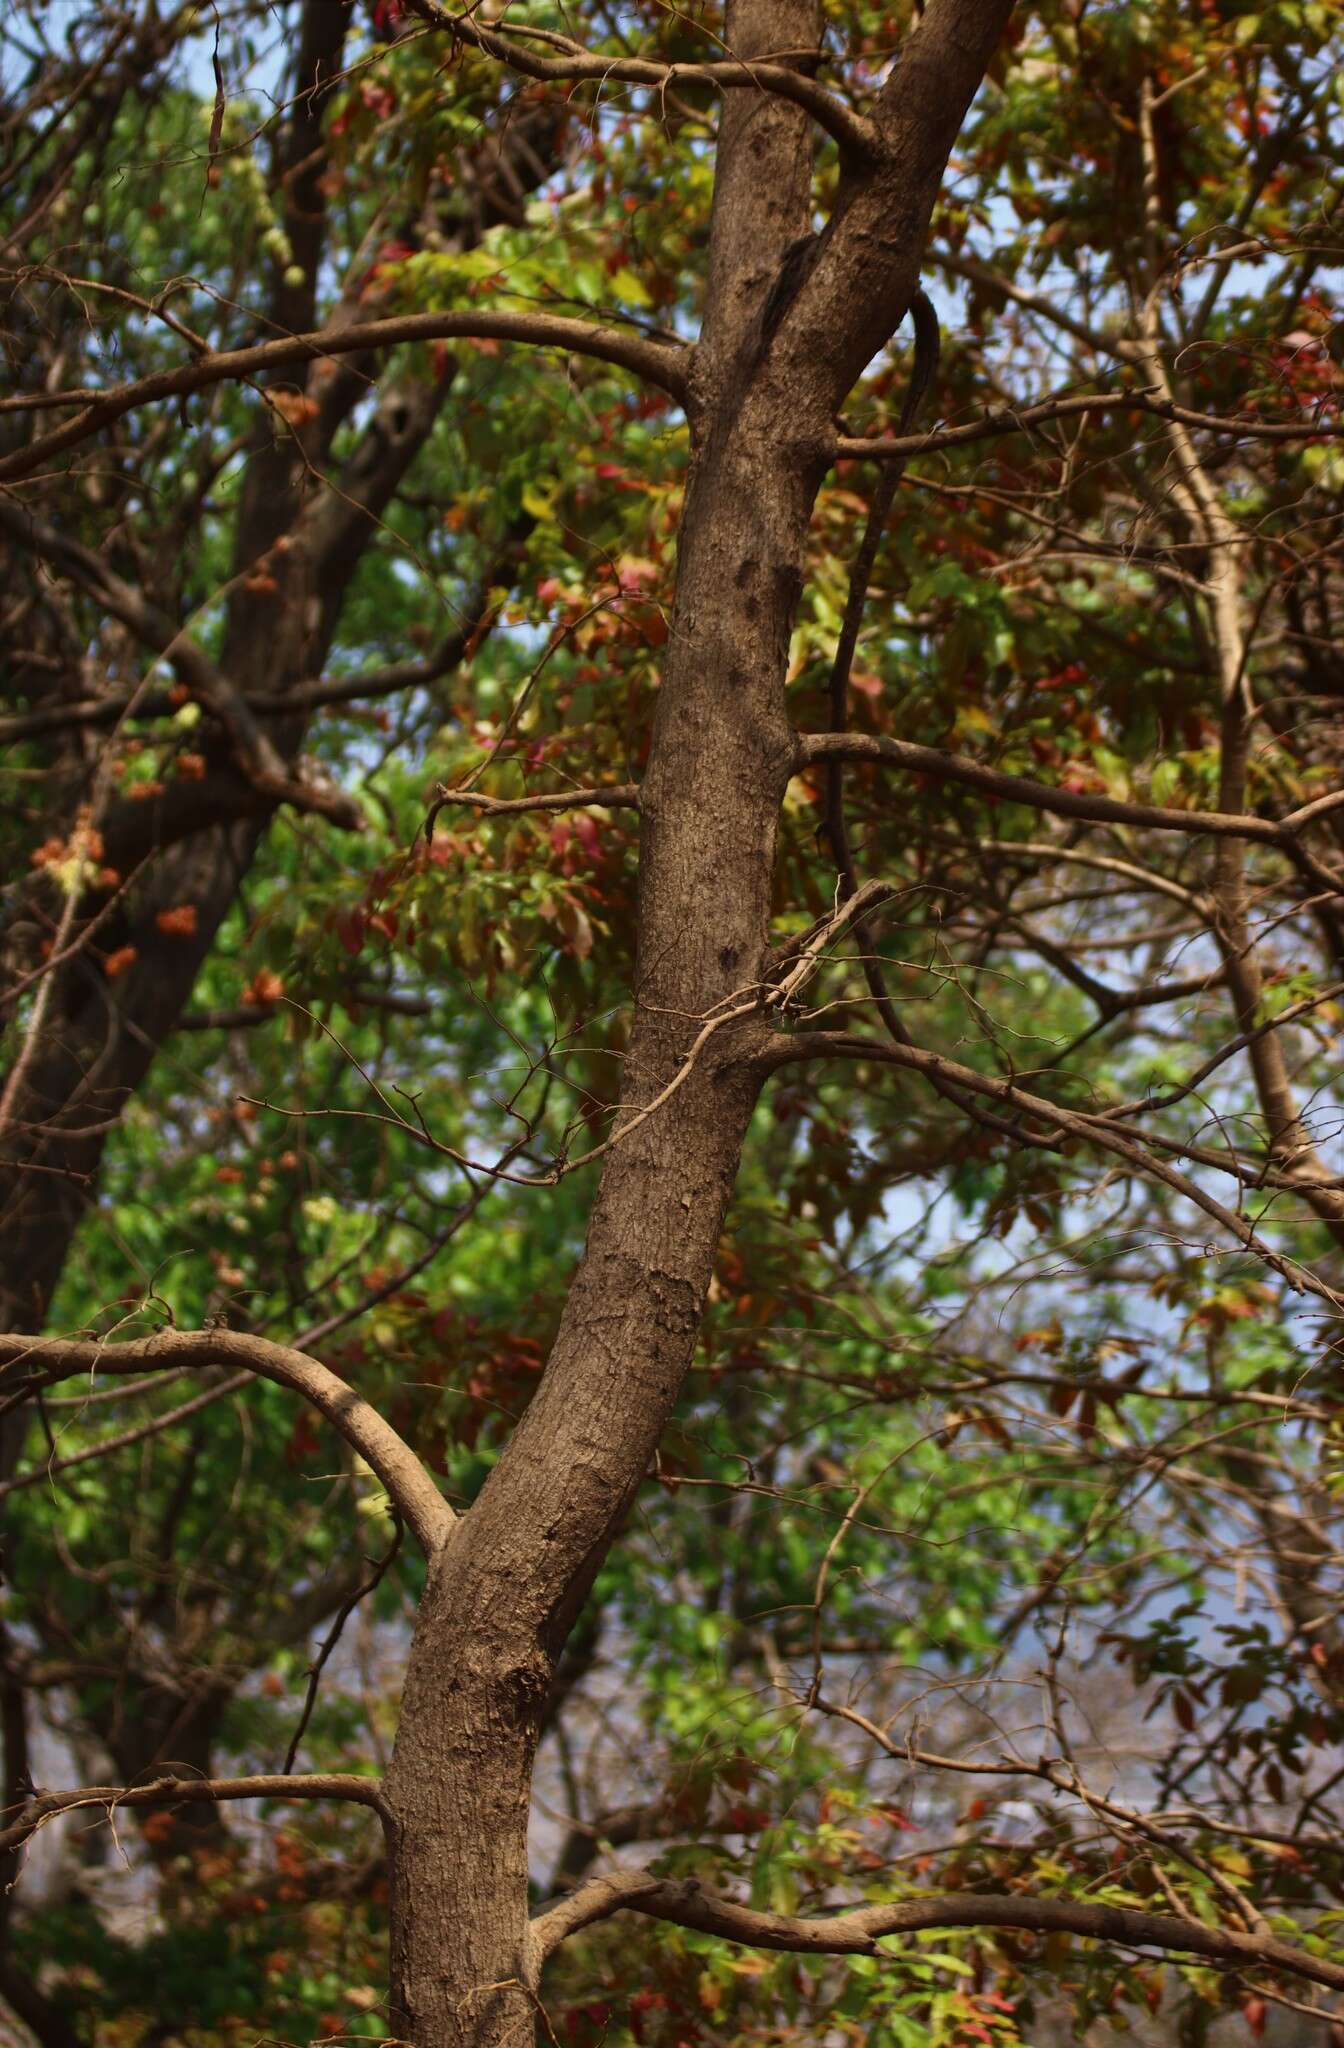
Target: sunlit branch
{"type": "Point", "coordinates": [618, 796]}
{"type": "Point", "coordinates": [657, 362]}
{"type": "Point", "coordinates": [187, 1791]}
{"type": "Point", "coordinates": [408, 1483]}
{"type": "Point", "coordinates": [686, 1903]}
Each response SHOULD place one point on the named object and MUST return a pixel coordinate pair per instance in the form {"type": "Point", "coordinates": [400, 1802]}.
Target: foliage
{"type": "Point", "coordinates": [996, 1451]}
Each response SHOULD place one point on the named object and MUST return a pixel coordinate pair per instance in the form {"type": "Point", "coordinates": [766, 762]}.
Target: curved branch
{"type": "Point", "coordinates": [1020, 419]}
{"type": "Point", "coordinates": [1062, 803]}
{"type": "Point", "coordinates": [859, 139]}
{"type": "Point", "coordinates": [408, 1483]}
{"type": "Point", "coordinates": [656, 361]}
{"type": "Point", "coordinates": [1092, 1129]}
{"type": "Point", "coordinates": [188, 1791]}
{"type": "Point", "coordinates": [688, 1904]}
{"type": "Point", "coordinates": [618, 796]}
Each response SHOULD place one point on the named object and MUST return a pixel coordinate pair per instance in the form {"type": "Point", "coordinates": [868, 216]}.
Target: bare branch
{"type": "Point", "coordinates": [973, 271]}
{"type": "Point", "coordinates": [1021, 420]}
{"type": "Point", "coordinates": [1062, 803]}
{"type": "Point", "coordinates": [688, 1904]}
{"type": "Point", "coordinates": [657, 362]}
{"type": "Point", "coordinates": [107, 1446]}
{"type": "Point", "coordinates": [619, 795]}
{"type": "Point", "coordinates": [408, 1483]}
{"type": "Point", "coordinates": [1058, 1122]}
{"type": "Point", "coordinates": [381, 1567]}
{"type": "Point", "coordinates": [189, 1791]}
{"type": "Point", "coordinates": [860, 141]}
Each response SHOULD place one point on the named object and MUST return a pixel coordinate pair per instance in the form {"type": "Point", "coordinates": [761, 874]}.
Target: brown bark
{"type": "Point", "coordinates": [515, 1574]}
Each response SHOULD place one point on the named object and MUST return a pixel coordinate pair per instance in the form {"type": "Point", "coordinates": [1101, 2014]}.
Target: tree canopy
{"type": "Point", "coordinates": [672, 956]}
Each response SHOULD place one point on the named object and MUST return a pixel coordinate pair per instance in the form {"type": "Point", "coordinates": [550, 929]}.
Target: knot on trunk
{"type": "Point", "coordinates": [523, 1687]}
{"type": "Point", "coordinates": [676, 1304]}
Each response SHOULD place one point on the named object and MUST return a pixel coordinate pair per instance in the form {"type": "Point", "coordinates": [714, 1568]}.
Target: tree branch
{"type": "Point", "coordinates": [254, 752]}
{"type": "Point", "coordinates": [312, 694]}
{"type": "Point", "coordinates": [1092, 1129]}
{"type": "Point", "coordinates": [408, 1483]}
{"type": "Point", "coordinates": [189, 1791]}
{"type": "Point", "coordinates": [657, 362]}
{"type": "Point", "coordinates": [1021, 419]}
{"type": "Point", "coordinates": [616, 797]}
{"type": "Point", "coordinates": [107, 1446]}
{"type": "Point", "coordinates": [1063, 803]}
{"type": "Point", "coordinates": [859, 139]}
{"type": "Point", "coordinates": [1118, 347]}
{"type": "Point", "coordinates": [688, 1904]}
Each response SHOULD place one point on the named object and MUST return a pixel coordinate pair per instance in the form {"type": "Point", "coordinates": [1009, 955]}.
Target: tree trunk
{"type": "Point", "coordinates": [497, 1611]}
{"type": "Point", "coordinates": [519, 1567]}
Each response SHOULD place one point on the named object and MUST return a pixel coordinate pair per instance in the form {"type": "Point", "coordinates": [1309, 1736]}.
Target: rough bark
{"type": "Point", "coordinates": [514, 1576]}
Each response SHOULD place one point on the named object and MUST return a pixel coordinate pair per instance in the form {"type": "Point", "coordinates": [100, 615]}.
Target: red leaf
{"type": "Point", "coordinates": [350, 931]}
{"type": "Point", "coordinates": [588, 836]}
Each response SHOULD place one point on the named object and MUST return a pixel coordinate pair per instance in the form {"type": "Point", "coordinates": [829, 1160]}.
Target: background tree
{"type": "Point", "coordinates": [449, 480]}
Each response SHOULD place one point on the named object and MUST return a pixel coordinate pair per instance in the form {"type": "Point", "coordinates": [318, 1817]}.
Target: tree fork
{"type": "Point", "coordinates": [514, 1577]}
{"type": "Point", "coordinates": [512, 1581]}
